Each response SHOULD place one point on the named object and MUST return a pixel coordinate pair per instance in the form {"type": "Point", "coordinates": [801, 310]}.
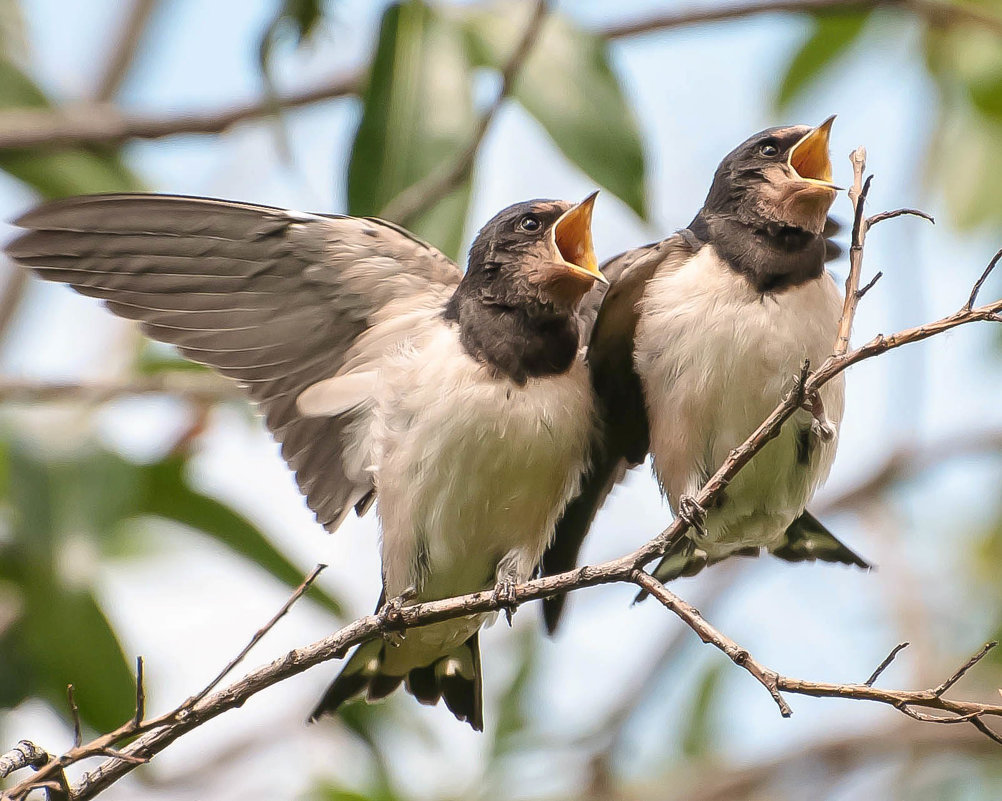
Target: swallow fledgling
{"type": "Point", "coordinates": [695, 343]}
{"type": "Point", "coordinates": [458, 402]}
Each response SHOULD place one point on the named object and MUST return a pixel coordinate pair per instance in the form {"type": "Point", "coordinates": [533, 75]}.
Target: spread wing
{"type": "Point", "coordinates": [280, 301]}
{"type": "Point", "coordinates": [622, 438]}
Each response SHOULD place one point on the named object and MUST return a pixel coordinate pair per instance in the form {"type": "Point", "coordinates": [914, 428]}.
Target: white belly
{"type": "Point", "coordinates": [716, 358]}
{"type": "Point", "coordinates": [469, 468]}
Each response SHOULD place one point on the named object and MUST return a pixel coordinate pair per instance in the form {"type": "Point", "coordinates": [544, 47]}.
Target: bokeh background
{"type": "Point", "coordinates": [165, 524]}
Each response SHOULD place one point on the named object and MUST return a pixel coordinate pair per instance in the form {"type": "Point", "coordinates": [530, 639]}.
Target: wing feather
{"type": "Point", "coordinates": [276, 300]}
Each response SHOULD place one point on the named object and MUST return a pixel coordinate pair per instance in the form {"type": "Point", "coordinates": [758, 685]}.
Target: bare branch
{"type": "Point", "coordinates": [708, 634]}
{"type": "Point", "coordinates": [908, 461]}
{"type": "Point", "coordinates": [124, 52]}
{"type": "Point", "coordinates": [857, 194]}
{"type": "Point", "coordinates": [963, 669]}
{"type": "Point", "coordinates": [23, 755]}
{"type": "Point", "coordinates": [75, 711]}
{"type": "Point", "coordinates": [191, 385]}
{"type": "Point", "coordinates": [869, 285]}
{"type": "Point", "coordinates": [438, 184]}
{"type": "Point", "coordinates": [101, 124]}
{"type": "Point", "coordinates": [261, 632]}
{"type": "Point", "coordinates": [140, 714]}
{"type": "Point", "coordinates": [982, 279]}
{"type": "Point", "coordinates": [886, 663]}
{"type": "Point", "coordinates": [936, 13]}
{"type": "Point", "coordinates": [890, 215]}
{"type": "Point", "coordinates": [10, 301]}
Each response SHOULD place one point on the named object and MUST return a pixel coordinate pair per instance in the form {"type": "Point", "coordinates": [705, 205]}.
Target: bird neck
{"type": "Point", "coordinates": [518, 342]}
{"type": "Point", "coordinates": [773, 256]}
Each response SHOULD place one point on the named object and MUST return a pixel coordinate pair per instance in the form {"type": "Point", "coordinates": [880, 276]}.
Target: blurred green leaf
{"type": "Point", "coordinates": [697, 741]}
{"type": "Point", "coordinates": [966, 64]}
{"type": "Point", "coordinates": [58, 635]}
{"type": "Point", "coordinates": [568, 85]}
{"type": "Point", "coordinates": [331, 792]}
{"type": "Point", "coordinates": [830, 37]}
{"type": "Point", "coordinates": [56, 173]}
{"type": "Point", "coordinates": [64, 514]}
{"type": "Point", "coordinates": [417, 114]}
{"type": "Point", "coordinates": [166, 493]}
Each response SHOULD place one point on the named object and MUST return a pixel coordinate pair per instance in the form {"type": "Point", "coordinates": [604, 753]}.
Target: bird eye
{"type": "Point", "coordinates": [529, 223]}
{"type": "Point", "coordinates": [768, 150]}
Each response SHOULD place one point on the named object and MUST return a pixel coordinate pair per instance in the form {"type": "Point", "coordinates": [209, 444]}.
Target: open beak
{"type": "Point", "coordinates": [809, 158]}
{"type": "Point", "coordinates": [572, 238]}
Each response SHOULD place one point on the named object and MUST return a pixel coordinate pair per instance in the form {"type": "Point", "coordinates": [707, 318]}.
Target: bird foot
{"type": "Point", "coordinates": [389, 614]}
{"type": "Point", "coordinates": [819, 425]}
{"type": "Point", "coordinates": [692, 513]}
{"type": "Point", "coordinates": [504, 597]}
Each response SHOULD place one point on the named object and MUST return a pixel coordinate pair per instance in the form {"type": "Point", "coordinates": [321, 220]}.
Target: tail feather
{"type": "Point", "coordinates": [454, 678]}
{"type": "Point", "coordinates": [562, 552]}
{"type": "Point", "coordinates": [458, 678]}
{"type": "Point", "coordinates": [381, 685]}
{"type": "Point", "coordinates": [807, 540]}
{"type": "Point", "coordinates": [422, 684]}
{"type": "Point", "coordinates": [354, 679]}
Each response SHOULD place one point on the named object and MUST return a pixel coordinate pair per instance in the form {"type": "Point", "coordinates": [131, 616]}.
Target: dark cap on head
{"type": "Point", "coordinates": [765, 212]}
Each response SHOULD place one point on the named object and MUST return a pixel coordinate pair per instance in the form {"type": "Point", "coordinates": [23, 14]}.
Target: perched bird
{"type": "Point", "coordinates": [460, 401]}
{"type": "Point", "coordinates": [696, 342]}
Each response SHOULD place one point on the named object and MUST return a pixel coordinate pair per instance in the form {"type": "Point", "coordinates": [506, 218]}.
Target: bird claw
{"type": "Point", "coordinates": [819, 425]}
{"type": "Point", "coordinates": [389, 614]}
{"type": "Point", "coordinates": [504, 597]}
{"type": "Point", "coordinates": [692, 513]}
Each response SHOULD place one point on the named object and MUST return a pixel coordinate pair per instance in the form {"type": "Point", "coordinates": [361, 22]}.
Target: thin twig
{"type": "Point", "coordinates": [75, 712]}
{"type": "Point", "coordinates": [10, 301]}
{"type": "Point", "coordinates": [708, 634]}
{"type": "Point", "coordinates": [890, 215]}
{"type": "Point", "coordinates": [982, 279]}
{"type": "Point", "coordinates": [887, 661]}
{"type": "Point", "coordinates": [258, 635]}
{"type": "Point", "coordinates": [435, 186]}
{"type": "Point", "coordinates": [123, 54]}
{"type": "Point", "coordinates": [869, 285]}
{"type": "Point", "coordinates": [963, 669]}
{"type": "Point", "coordinates": [935, 11]}
{"type": "Point", "coordinates": [857, 195]}
{"type": "Point", "coordinates": [140, 714]}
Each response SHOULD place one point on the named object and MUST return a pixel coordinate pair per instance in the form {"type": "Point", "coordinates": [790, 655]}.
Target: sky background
{"type": "Point", "coordinates": [697, 93]}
